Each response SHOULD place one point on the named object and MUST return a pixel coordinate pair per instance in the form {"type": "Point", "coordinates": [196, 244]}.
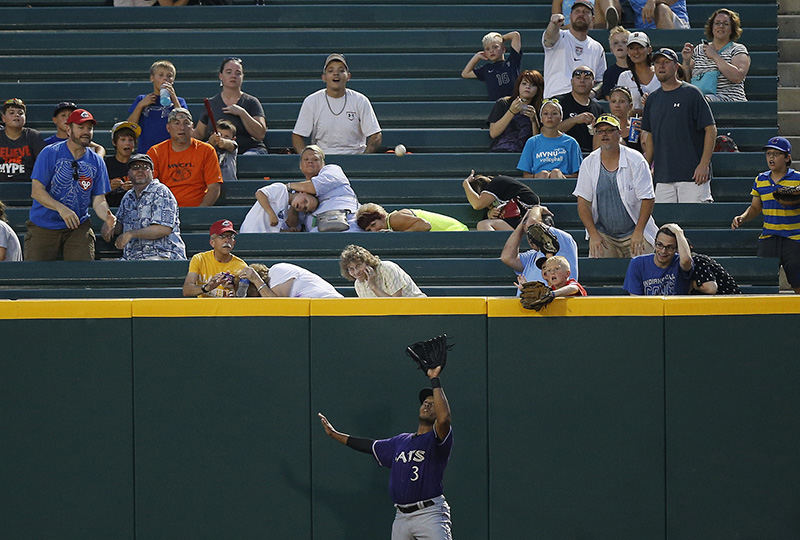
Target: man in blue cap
{"type": "Point", "coordinates": [780, 236]}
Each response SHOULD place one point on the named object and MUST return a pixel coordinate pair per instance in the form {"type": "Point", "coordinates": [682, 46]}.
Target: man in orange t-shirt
{"type": "Point", "coordinates": [185, 165]}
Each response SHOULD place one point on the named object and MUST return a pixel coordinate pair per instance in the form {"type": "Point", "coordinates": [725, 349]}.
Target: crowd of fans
{"type": "Point", "coordinates": [163, 160]}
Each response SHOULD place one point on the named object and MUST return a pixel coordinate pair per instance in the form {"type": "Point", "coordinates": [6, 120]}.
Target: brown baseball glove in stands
{"type": "Point", "coordinates": [539, 235]}
{"type": "Point", "coordinates": [535, 295]}
{"type": "Point", "coordinates": [787, 196]}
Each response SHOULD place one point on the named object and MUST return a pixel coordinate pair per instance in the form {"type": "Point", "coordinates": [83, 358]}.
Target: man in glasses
{"type": "Point", "coordinates": [211, 273]}
{"type": "Point", "coordinates": [185, 165]}
{"type": "Point", "coordinates": [580, 108]}
{"type": "Point", "coordinates": [147, 226]}
{"type": "Point", "coordinates": [19, 145]}
{"type": "Point", "coordinates": [667, 271]}
{"type": "Point", "coordinates": [66, 178]}
{"type": "Point", "coordinates": [615, 196]}
{"type": "Point", "coordinates": [565, 50]}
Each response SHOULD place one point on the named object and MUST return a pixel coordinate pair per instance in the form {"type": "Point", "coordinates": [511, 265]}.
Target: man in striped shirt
{"type": "Point", "coordinates": [780, 236]}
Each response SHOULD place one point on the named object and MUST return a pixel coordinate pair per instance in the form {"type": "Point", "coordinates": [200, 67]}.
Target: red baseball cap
{"type": "Point", "coordinates": [222, 226]}
{"type": "Point", "coordinates": [80, 116]}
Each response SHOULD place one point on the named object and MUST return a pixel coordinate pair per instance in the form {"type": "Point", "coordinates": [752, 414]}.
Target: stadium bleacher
{"type": "Point", "coordinates": [406, 58]}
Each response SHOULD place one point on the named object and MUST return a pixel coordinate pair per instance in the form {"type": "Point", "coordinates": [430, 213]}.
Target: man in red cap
{"type": "Point", "coordinates": [19, 145]}
{"type": "Point", "coordinates": [66, 178]}
{"type": "Point", "coordinates": [211, 272]}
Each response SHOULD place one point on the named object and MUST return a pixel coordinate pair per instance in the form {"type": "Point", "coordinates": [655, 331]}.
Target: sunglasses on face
{"type": "Point", "coordinates": [582, 73]}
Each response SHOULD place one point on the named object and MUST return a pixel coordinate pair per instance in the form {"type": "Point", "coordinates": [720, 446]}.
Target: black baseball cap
{"type": "Point", "coordinates": [63, 106]}
{"type": "Point", "coordinates": [424, 394]}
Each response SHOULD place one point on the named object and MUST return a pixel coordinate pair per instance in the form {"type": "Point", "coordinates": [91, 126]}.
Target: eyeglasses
{"type": "Point", "coordinates": [582, 73]}
{"type": "Point", "coordinates": [228, 236]}
{"type": "Point", "coordinates": [75, 175]}
{"type": "Point", "coordinates": [138, 166]}
{"type": "Point", "coordinates": [604, 131]}
{"type": "Point", "coordinates": [179, 122]}
{"type": "Point", "coordinates": [722, 23]}
{"type": "Point", "coordinates": [659, 245]}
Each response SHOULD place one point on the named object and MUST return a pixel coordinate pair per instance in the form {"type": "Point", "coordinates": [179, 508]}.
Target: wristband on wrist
{"type": "Point", "coordinates": [262, 286]}
{"type": "Point", "coordinates": [436, 383]}
{"type": "Point", "coordinates": [203, 288]}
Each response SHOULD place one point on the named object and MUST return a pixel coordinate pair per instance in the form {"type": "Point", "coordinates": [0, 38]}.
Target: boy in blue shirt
{"type": "Point", "coordinates": [148, 111]}
{"type": "Point", "coordinates": [498, 73]}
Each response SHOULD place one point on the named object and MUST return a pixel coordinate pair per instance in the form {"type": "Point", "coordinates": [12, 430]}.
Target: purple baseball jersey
{"type": "Point", "coordinates": [417, 463]}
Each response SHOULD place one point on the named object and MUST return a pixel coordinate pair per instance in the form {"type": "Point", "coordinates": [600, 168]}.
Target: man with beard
{"type": "Point", "coordinates": [678, 135]}
{"type": "Point", "coordinates": [66, 178]}
{"type": "Point", "coordinates": [211, 273]}
{"type": "Point", "coordinates": [185, 165]}
{"type": "Point", "coordinates": [565, 50]}
{"type": "Point", "coordinates": [337, 119]}
{"type": "Point", "coordinates": [19, 145]}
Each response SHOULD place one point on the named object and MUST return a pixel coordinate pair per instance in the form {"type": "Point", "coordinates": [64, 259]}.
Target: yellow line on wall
{"type": "Point", "coordinates": [599, 306]}
{"type": "Point", "coordinates": [65, 309]}
{"type": "Point", "coordinates": [377, 307]}
{"type": "Point", "coordinates": [221, 307]}
{"type": "Point", "coordinates": [732, 305]}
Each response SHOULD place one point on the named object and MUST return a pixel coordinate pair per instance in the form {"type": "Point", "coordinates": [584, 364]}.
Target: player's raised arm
{"type": "Point", "coordinates": [356, 443]}
{"type": "Point", "coordinates": [440, 404]}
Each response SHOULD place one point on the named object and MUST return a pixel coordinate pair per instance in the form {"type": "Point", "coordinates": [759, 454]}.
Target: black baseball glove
{"type": "Point", "coordinates": [430, 353]}
{"type": "Point", "coordinates": [540, 236]}
{"type": "Point", "coordinates": [535, 295]}
{"type": "Point", "coordinates": [787, 196]}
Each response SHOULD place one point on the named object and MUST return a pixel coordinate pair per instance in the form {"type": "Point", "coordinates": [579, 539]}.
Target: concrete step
{"type": "Point", "coordinates": [789, 74]}
{"type": "Point", "coordinates": [789, 50]}
{"type": "Point", "coordinates": [789, 25]}
{"type": "Point", "coordinates": [788, 122]}
{"type": "Point", "coordinates": [789, 99]}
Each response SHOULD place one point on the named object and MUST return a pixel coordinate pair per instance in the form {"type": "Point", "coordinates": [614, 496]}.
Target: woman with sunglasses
{"type": "Point", "coordinates": [241, 109]}
{"type": "Point", "coordinates": [515, 118]}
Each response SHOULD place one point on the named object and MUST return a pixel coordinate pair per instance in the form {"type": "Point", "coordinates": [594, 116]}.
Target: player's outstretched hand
{"type": "Point", "coordinates": [329, 429]}
{"type": "Point", "coordinates": [434, 372]}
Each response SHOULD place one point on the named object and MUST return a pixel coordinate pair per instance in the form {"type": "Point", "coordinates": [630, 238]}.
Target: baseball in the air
{"type": "Point", "coordinates": [400, 150]}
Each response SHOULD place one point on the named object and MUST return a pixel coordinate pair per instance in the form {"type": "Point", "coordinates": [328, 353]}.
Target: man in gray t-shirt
{"type": "Point", "coordinates": [678, 135]}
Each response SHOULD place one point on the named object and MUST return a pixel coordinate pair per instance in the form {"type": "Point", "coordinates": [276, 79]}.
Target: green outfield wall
{"type": "Point", "coordinates": [619, 418]}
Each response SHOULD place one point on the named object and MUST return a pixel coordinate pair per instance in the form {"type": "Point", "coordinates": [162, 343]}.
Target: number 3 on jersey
{"type": "Point", "coordinates": [414, 473]}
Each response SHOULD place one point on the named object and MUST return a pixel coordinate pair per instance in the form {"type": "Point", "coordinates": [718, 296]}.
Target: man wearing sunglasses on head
{"type": "Point", "coordinates": [66, 178]}
{"type": "Point", "coordinates": [580, 108]}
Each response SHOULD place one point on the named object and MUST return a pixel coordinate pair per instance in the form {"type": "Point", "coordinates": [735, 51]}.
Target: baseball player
{"type": "Point", "coordinates": [417, 461]}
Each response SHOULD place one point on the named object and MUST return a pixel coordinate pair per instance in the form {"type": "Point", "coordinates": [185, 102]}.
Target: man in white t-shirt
{"type": "Point", "coordinates": [338, 120]}
{"type": "Point", "coordinates": [565, 50]}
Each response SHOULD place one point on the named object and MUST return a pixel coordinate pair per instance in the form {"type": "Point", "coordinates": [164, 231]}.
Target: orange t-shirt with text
{"type": "Point", "coordinates": [187, 174]}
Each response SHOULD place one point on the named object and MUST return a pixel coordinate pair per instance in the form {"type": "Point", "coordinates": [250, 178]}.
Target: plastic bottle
{"type": "Point", "coordinates": [166, 100]}
{"type": "Point", "coordinates": [241, 290]}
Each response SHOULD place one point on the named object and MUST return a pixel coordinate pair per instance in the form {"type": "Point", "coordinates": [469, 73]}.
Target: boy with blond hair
{"type": "Point", "coordinates": [150, 112]}
{"type": "Point", "coordinates": [618, 45]}
{"type": "Point", "coordinates": [498, 73]}
{"type": "Point", "coordinates": [555, 271]}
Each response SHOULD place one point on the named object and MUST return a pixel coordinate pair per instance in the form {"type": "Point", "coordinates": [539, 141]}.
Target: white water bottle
{"type": "Point", "coordinates": [166, 100]}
